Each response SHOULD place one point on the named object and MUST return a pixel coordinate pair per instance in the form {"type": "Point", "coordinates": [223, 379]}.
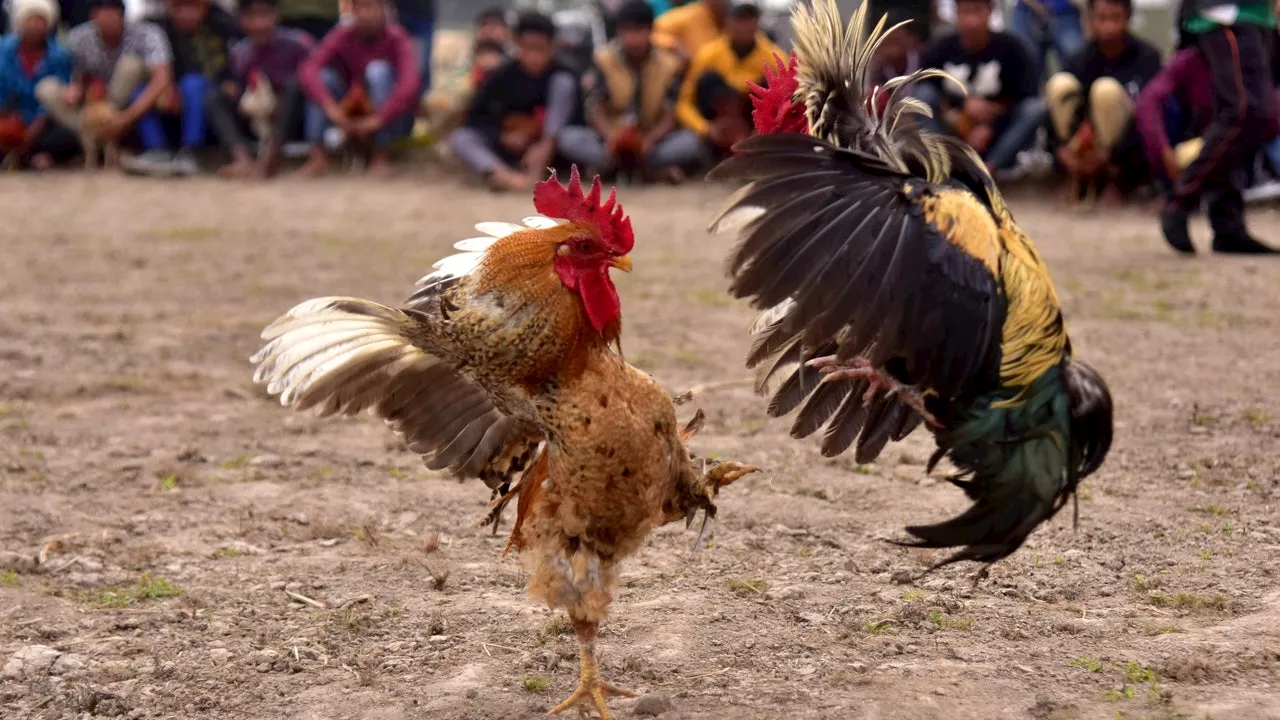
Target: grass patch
{"type": "Point", "coordinates": [1092, 664]}
{"type": "Point", "coordinates": [147, 588]}
{"type": "Point", "coordinates": [1256, 416]}
{"type": "Point", "coordinates": [185, 234]}
{"type": "Point", "coordinates": [1141, 582]}
{"type": "Point", "coordinates": [943, 621]}
{"type": "Point", "coordinates": [9, 577]}
{"type": "Point", "coordinates": [226, 552]}
{"type": "Point", "coordinates": [1188, 601]}
{"type": "Point", "coordinates": [168, 483]}
{"type": "Point", "coordinates": [748, 586]}
{"type": "Point", "coordinates": [877, 627]}
{"type": "Point", "coordinates": [238, 462]}
{"type": "Point", "coordinates": [1164, 629]}
{"type": "Point", "coordinates": [556, 627]}
{"type": "Point", "coordinates": [535, 683]}
{"type": "Point", "coordinates": [913, 595]}
{"type": "Point", "coordinates": [1208, 510]}
{"type": "Point", "coordinates": [706, 297]}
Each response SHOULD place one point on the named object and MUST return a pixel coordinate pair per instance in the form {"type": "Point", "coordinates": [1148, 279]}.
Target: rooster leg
{"type": "Point", "coordinates": [592, 691]}
{"type": "Point", "coordinates": [858, 368]}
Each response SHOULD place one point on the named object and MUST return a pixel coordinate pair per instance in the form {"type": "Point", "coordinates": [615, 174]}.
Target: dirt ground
{"type": "Point", "coordinates": [173, 545]}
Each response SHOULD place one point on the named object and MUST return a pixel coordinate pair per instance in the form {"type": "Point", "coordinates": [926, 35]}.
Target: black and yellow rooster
{"type": "Point", "coordinates": [897, 289]}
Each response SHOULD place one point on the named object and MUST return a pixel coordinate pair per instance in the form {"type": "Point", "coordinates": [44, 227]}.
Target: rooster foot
{"type": "Point", "coordinates": [592, 690]}
{"type": "Point", "coordinates": [858, 368]}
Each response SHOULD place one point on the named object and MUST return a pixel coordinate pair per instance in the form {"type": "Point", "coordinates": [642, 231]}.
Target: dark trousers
{"type": "Point", "coordinates": [57, 141]}
{"type": "Point", "coordinates": [1239, 63]}
{"type": "Point", "coordinates": [289, 113]}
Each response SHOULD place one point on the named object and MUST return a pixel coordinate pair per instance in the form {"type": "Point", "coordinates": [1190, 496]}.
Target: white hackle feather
{"type": "Point", "coordinates": [473, 249]}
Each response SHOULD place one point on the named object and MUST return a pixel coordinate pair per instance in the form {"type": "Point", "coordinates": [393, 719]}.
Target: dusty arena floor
{"type": "Point", "coordinates": [173, 545]}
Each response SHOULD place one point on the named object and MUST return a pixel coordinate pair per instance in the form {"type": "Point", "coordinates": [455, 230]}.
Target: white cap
{"type": "Point", "coordinates": [23, 9]}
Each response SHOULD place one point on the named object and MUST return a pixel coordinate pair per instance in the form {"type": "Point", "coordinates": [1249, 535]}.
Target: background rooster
{"type": "Point", "coordinates": [258, 103]}
{"type": "Point", "coordinates": [97, 116]}
{"type": "Point", "coordinates": [502, 366]}
{"type": "Point", "coordinates": [888, 262]}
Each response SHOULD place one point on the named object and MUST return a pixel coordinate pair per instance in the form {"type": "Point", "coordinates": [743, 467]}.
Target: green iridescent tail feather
{"type": "Point", "coordinates": [1013, 453]}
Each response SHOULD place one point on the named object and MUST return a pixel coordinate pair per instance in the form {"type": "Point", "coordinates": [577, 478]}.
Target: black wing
{"type": "Point", "coordinates": [850, 257]}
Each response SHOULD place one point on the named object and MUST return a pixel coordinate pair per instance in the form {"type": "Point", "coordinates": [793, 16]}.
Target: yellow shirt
{"type": "Point", "coordinates": [718, 57]}
{"type": "Point", "coordinates": [688, 28]}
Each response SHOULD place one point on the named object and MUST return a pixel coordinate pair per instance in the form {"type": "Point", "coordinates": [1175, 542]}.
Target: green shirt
{"type": "Point", "coordinates": [1246, 13]}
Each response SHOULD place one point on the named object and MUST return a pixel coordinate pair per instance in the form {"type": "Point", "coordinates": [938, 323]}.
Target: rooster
{"type": "Point", "coordinates": [95, 119]}
{"type": "Point", "coordinates": [897, 289]}
{"type": "Point", "coordinates": [505, 365]}
{"type": "Point", "coordinates": [258, 103]}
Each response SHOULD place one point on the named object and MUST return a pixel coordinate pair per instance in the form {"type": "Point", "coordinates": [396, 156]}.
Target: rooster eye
{"type": "Point", "coordinates": [584, 246]}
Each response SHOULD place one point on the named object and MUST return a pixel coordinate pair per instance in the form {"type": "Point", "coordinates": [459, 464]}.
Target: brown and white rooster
{"type": "Point", "coordinates": [504, 365]}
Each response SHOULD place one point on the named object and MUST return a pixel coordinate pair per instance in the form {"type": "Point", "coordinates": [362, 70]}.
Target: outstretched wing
{"type": "Point", "coordinates": [343, 356]}
{"type": "Point", "coordinates": [850, 257]}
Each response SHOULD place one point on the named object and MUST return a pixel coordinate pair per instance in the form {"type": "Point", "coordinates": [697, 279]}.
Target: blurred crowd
{"type": "Point", "coordinates": [1067, 85]}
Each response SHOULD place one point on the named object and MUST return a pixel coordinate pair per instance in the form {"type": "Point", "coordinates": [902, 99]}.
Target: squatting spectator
{"type": "Point", "coordinates": [687, 29]}
{"type": "Point", "coordinates": [1091, 103]}
{"type": "Point", "coordinates": [630, 102]}
{"type": "Point", "coordinates": [271, 55]}
{"type": "Point", "coordinates": [132, 59]}
{"type": "Point", "coordinates": [511, 127]}
{"type": "Point", "coordinates": [372, 53]}
{"type": "Point", "coordinates": [1001, 113]}
{"type": "Point", "coordinates": [27, 57]}
{"type": "Point", "coordinates": [715, 97]}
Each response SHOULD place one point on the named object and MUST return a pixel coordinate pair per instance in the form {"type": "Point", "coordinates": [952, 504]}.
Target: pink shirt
{"type": "Point", "coordinates": [344, 50]}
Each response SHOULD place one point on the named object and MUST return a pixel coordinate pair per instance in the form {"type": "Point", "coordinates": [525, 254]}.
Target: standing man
{"type": "Point", "coordinates": [1234, 38]}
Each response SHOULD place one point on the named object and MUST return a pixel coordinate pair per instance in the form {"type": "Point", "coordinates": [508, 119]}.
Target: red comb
{"type": "Point", "coordinates": [768, 101]}
{"type": "Point", "coordinates": [568, 203]}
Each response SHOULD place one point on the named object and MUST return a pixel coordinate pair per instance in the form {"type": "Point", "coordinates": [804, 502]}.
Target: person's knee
{"type": "Point", "coordinates": [1061, 85]}
{"type": "Point", "coordinates": [193, 85]}
{"type": "Point", "coordinates": [131, 68]}
{"type": "Point", "coordinates": [379, 74]}
{"type": "Point", "coordinates": [48, 91]}
{"type": "Point", "coordinates": [1107, 92]}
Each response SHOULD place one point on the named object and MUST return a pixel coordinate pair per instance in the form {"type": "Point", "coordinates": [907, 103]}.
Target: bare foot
{"type": "Point", "coordinates": [237, 169]}
{"type": "Point", "coordinates": [41, 161]}
{"type": "Point", "coordinates": [1112, 197]}
{"type": "Point", "coordinates": [315, 166]}
{"type": "Point", "coordinates": [507, 180]}
{"type": "Point", "coordinates": [379, 166]}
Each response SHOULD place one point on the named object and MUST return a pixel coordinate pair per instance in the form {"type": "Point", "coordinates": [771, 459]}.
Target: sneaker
{"type": "Point", "coordinates": [155, 163]}
{"type": "Point", "coordinates": [1173, 223]}
{"type": "Point", "coordinates": [1241, 244]}
{"type": "Point", "coordinates": [184, 163]}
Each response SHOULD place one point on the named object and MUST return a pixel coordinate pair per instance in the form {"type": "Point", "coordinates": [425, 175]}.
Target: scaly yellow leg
{"type": "Point", "coordinates": [592, 691]}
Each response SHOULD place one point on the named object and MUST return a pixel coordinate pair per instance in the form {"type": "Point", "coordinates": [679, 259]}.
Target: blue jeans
{"type": "Point", "coordinates": [1063, 34]}
{"type": "Point", "coordinates": [192, 89]}
{"type": "Point", "coordinates": [422, 30]}
{"type": "Point", "coordinates": [1015, 131]}
{"type": "Point", "coordinates": [379, 78]}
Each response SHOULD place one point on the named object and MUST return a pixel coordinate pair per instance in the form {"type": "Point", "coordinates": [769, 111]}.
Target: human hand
{"type": "Point", "coordinates": [538, 157]}
{"type": "Point", "coordinates": [1171, 168]}
{"type": "Point", "coordinates": [980, 138]}
{"type": "Point", "coordinates": [231, 89]}
{"type": "Point", "coordinates": [366, 126]}
{"type": "Point", "coordinates": [72, 95]}
{"type": "Point", "coordinates": [980, 109]}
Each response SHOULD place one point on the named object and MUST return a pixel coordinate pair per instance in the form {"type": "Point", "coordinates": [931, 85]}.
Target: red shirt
{"type": "Point", "coordinates": [29, 60]}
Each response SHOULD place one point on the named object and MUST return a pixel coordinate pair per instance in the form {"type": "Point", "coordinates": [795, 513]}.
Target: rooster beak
{"type": "Point", "coordinates": [622, 262]}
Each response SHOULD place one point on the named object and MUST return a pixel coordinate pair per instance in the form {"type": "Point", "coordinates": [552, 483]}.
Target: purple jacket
{"type": "Point", "coordinates": [345, 51]}
{"type": "Point", "coordinates": [1186, 79]}
{"type": "Point", "coordinates": [278, 60]}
